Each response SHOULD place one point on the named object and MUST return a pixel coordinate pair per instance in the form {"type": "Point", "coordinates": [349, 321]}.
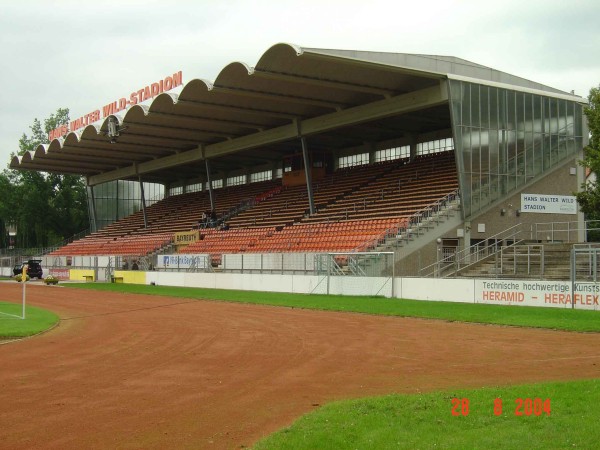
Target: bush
{"type": "Point", "coordinates": [19, 278]}
{"type": "Point", "coordinates": [51, 280]}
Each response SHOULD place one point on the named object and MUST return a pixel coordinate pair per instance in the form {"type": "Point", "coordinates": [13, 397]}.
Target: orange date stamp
{"type": "Point", "coordinates": [522, 407]}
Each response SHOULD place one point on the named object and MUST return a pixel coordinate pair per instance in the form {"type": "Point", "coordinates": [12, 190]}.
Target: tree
{"type": "Point", "coordinates": [46, 208]}
{"type": "Point", "coordinates": [589, 197]}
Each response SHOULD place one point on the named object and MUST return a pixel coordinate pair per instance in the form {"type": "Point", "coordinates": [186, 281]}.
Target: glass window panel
{"type": "Point", "coordinates": [520, 110]}
{"type": "Point", "coordinates": [467, 151]}
{"type": "Point", "coordinates": [236, 180]}
{"type": "Point", "coordinates": [353, 160]}
{"type": "Point", "coordinates": [466, 103]}
{"type": "Point", "coordinates": [502, 102]}
{"type": "Point", "coordinates": [529, 156]}
{"type": "Point", "coordinates": [553, 149]}
{"type": "Point", "coordinates": [456, 88]}
{"type": "Point", "coordinates": [570, 118]}
{"type": "Point", "coordinates": [493, 107]}
{"type": "Point", "coordinates": [529, 112]}
{"type": "Point", "coordinates": [475, 106]}
{"type": "Point", "coordinates": [553, 116]}
{"type": "Point", "coordinates": [538, 158]}
{"type": "Point", "coordinates": [511, 109]}
{"type": "Point", "coordinates": [546, 151]}
{"type": "Point", "coordinates": [484, 103]}
{"type": "Point", "coordinates": [261, 176]}
{"type": "Point", "coordinates": [546, 113]}
{"type": "Point", "coordinates": [562, 117]}
{"type": "Point", "coordinates": [493, 151]}
{"type": "Point", "coordinates": [562, 147]}
{"type": "Point", "coordinates": [537, 114]}
{"type": "Point", "coordinates": [578, 121]}
{"type": "Point", "coordinates": [494, 187]}
{"type": "Point", "coordinates": [571, 148]}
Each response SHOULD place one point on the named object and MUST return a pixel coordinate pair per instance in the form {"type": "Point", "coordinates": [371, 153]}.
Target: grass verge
{"type": "Point", "coordinates": [36, 320]}
{"type": "Point", "coordinates": [426, 421]}
{"type": "Point", "coordinates": [552, 318]}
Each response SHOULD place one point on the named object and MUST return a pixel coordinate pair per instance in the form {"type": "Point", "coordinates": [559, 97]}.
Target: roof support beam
{"type": "Point", "coordinates": [268, 75]}
{"type": "Point", "coordinates": [279, 97]}
{"type": "Point", "coordinates": [149, 126]}
{"type": "Point", "coordinates": [400, 104]}
{"type": "Point", "coordinates": [237, 109]}
{"type": "Point", "coordinates": [105, 146]}
{"type": "Point", "coordinates": [196, 119]}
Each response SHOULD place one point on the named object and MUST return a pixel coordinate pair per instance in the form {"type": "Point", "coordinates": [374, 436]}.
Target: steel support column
{"type": "Point", "coordinates": [308, 172]}
{"type": "Point", "coordinates": [92, 208]}
{"type": "Point", "coordinates": [210, 189]}
{"type": "Point", "coordinates": [143, 201]}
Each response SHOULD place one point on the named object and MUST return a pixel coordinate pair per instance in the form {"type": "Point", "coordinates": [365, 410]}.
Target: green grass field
{"type": "Point", "coordinates": [425, 421]}
{"type": "Point", "coordinates": [552, 318]}
{"type": "Point", "coordinates": [36, 320]}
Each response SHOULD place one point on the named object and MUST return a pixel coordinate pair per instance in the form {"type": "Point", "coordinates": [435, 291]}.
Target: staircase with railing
{"type": "Point", "coordinates": [416, 226]}
{"type": "Point", "coordinates": [540, 251]}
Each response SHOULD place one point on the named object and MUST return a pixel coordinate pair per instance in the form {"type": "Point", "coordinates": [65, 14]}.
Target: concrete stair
{"type": "Point", "coordinates": [547, 261]}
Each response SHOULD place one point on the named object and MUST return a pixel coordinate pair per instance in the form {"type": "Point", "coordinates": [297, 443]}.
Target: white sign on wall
{"type": "Point", "coordinates": [548, 204]}
{"type": "Point", "coordinates": [182, 261]}
{"type": "Point", "coordinates": [556, 294]}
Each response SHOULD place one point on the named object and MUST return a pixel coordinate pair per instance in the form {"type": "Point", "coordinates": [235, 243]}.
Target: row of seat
{"type": "Point", "coordinates": [356, 207]}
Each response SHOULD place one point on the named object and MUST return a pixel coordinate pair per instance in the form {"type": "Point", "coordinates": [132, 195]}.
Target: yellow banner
{"type": "Point", "coordinates": [186, 237]}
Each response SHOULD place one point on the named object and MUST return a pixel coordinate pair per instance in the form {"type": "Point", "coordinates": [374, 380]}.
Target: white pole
{"type": "Point", "coordinates": [24, 281]}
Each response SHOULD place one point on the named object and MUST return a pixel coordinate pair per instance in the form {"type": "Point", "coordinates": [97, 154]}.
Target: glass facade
{"type": "Point", "coordinates": [504, 139]}
{"type": "Point", "coordinates": [390, 154]}
{"type": "Point", "coordinates": [437, 146]}
{"type": "Point", "coordinates": [117, 199]}
{"type": "Point", "coordinates": [353, 160]}
{"type": "Point", "coordinates": [261, 176]}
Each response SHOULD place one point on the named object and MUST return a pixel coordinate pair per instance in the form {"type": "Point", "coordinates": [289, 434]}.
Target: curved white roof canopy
{"type": "Point", "coordinates": [338, 99]}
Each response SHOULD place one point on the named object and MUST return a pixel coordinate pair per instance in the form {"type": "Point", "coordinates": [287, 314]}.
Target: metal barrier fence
{"type": "Point", "coordinates": [104, 267]}
{"type": "Point", "coordinates": [451, 265]}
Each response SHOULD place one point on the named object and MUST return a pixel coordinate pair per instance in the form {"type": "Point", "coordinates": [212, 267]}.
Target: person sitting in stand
{"type": "Point", "coordinates": [213, 218]}
{"type": "Point", "coordinates": [202, 221]}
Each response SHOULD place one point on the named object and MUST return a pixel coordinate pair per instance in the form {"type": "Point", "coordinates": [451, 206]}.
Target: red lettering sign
{"type": "Point", "coordinates": [143, 94]}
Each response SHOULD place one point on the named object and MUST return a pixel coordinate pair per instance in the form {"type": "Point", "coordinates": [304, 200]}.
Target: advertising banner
{"type": "Point", "coordinates": [183, 261]}
{"type": "Point", "coordinates": [538, 293]}
{"type": "Point", "coordinates": [186, 237]}
{"type": "Point", "coordinates": [61, 274]}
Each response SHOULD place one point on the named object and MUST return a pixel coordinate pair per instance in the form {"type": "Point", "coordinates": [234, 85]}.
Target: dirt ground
{"type": "Point", "coordinates": [131, 371]}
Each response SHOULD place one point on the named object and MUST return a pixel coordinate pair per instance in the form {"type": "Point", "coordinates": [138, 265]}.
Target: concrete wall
{"type": "Point", "coordinates": [82, 274]}
{"type": "Point", "coordinates": [556, 294]}
{"type": "Point", "coordinates": [131, 276]}
{"type": "Point", "coordinates": [561, 181]}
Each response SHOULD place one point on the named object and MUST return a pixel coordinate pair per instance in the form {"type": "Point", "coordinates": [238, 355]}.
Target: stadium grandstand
{"type": "Point", "coordinates": [434, 158]}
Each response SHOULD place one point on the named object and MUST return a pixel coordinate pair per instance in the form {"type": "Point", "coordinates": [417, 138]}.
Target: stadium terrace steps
{"type": "Point", "coordinates": [523, 264]}
{"type": "Point", "coordinates": [356, 207]}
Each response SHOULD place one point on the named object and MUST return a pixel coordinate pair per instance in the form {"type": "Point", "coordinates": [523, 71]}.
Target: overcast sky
{"type": "Point", "coordinates": [82, 55]}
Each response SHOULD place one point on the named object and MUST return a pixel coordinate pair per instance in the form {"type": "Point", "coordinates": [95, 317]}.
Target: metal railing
{"type": "Point", "coordinates": [530, 255]}
{"type": "Point", "coordinates": [516, 235]}
{"type": "Point", "coordinates": [413, 225]}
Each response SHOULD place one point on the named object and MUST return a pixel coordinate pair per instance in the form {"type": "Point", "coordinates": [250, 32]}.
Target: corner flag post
{"type": "Point", "coordinates": [24, 281]}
